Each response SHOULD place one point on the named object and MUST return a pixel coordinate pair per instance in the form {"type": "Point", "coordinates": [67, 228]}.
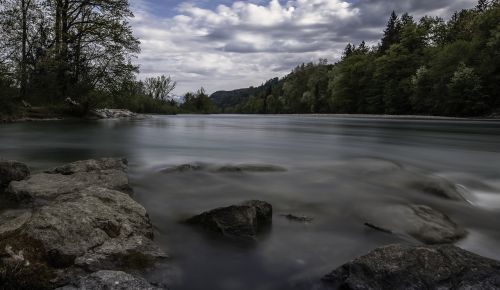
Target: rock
{"type": "Point", "coordinates": [413, 267]}
{"type": "Point", "coordinates": [243, 221]}
{"type": "Point", "coordinates": [113, 114]}
{"type": "Point", "coordinates": [12, 171]}
{"type": "Point", "coordinates": [90, 165]}
{"type": "Point", "coordinates": [43, 187]}
{"type": "Point", "coordinates": [81, 226]}
{"type": "Point", "coordinates": [250, 168]}
{"type": "Point", "coordinates": [295, 218]}
{"type": "Point", "coordinates": [110, 280]}
{"type": "Point", "coordinates": [185, 168]}
{"type": "Point", "coordinates": [224, 169]}
{"type": "Point", "coordinates": [420, 222]}
{"type": "Point", "coordinates": [439, 187]}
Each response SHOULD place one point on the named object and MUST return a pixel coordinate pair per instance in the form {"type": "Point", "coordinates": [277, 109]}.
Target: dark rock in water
{"type": "Point", "coordinates": [295, 218]}
{"type": "Point", "coordinates": [110, 280]}
{"type": "Point", "coordinates": [439, 187]}
{"type": "Point", "coordinates": [189, 167]}
{"type": "Point", "coordinates": [81, 226]}
{"type": "Point", "coordinates": [250, 168]}
{"type": "Point", "coordinates": [185, 168]}
{"type": "Point", "coordinates": [12, 171]}
{"type": "Point", "coordinates": [433, 227]}
{"type": "Point", "coordinates": [397, 267]}
{"type": "Point", "coordinates": [380, 229]}
{"type": "Point", "coordinates": [237, 221]}
{"type": "Point", "coordinates": [105, 173]}
{"type": "Point", "coordinates": [421, 222]}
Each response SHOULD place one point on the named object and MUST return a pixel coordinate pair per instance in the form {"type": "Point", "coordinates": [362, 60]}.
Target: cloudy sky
{"type": "Point", "coordinates": [223, 44]}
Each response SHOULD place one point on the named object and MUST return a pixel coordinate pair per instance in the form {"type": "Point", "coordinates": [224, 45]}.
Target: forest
{"type": "Point", "coordinates": [55, 51]}
{"type": "Point", "coordinates": [419, 67]}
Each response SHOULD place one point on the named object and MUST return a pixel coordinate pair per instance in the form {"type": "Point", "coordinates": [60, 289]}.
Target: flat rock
{"type": "Point", "coordinates": [91, 165]}
{"type": "Point", "coordinates": [416, 267]}
{"type": "Point", "coordinates": [110, 280]}
{"type": "Point", "coordinates": [42, 187]}
{"type": "Point", "coordinates": [244, 221]}
{"type": "Point", "coordinates": [12, 171]}
{"type": "Point", "coordinates": [421, 222]}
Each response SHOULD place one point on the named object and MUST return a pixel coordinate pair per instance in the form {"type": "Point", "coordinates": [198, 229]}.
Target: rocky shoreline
{"type": "Point", "coordinates": [71, 223]}
{"type": "Point", "coordinates": [76, 226]}
{"type": "Point", "coordinates": [96, 114]}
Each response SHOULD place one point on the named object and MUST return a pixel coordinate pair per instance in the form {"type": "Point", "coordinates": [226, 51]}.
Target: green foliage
{"type": "Point", "coordinates": [54, 49]}
{"type": "Point", "coordinates": [429, 67]}
{"type": "Point", "coordinates": [198, 103]}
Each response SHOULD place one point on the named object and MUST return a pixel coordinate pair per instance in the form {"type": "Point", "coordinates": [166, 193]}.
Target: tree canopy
{"type": "Point", "coordinates": [429, 66]}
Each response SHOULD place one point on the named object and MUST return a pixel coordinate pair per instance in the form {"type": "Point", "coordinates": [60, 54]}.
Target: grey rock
{"type": "Point", "coordinates": [185, 168]}
{"type": "Point", "coordinates": [421, 222]}
{"type": "Point", "coordinates": [416, 267]}
{"type": "Point", "coordinates": [12, 171]}
{"type": "Point", "coordinates": [114, 114]}
{"type": "Point", "coordinates": [255, 168]}
{"type": "Point", "coordinates": [81, 223]}
{"type": "Point", "coordinates": [250, 168]}
{"type": "Point", "coordinates": [110, 280]}
{"type": "Point", "coordinates": [43, 187]}
{"type": "Point", "coordinates": [439, 187]}
{"type": "Point", "coordinates": [297, 218]}
{"type": "Point", "coordinates": [78, 223]}
{"type": "Point", "coordinates": [91, 165]}
{"type": "Point", "coordinates": [237, 221]}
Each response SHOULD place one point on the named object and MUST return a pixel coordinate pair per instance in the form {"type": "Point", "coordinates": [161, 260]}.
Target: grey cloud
{"type": "Point", "coordinates": [206, 51]}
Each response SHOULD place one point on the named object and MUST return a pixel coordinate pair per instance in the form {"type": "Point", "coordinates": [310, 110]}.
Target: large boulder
{"type": "Point", "coordinates": [79, 228]}
{"type": "Point", "coordinates": [421, 222]}
{"type": "Point", "coordinates": [12, 171]}
{"type": "Point", "coordinates": [110, 280]}
{"type": "Point", "coordinates": [416, 267]}
{"type": "Point", "coordinates": [243, 221]}
{"type": "Point", "coordinates": [106, 173]}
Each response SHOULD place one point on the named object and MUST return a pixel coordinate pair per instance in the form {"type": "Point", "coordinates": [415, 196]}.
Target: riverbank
{"type": "Point", "coordinates": [43, 114]}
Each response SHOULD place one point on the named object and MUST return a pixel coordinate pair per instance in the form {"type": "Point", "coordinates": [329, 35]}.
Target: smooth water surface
{"type": "Point", "coordinates": [342, 171]}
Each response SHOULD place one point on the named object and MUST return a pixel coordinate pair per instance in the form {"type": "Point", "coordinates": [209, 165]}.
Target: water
{"type": "Point", "coordinates": [342, 171]}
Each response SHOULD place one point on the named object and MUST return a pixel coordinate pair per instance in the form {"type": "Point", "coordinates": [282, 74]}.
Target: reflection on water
{"type": "Point", "coordinates": [342, 171]}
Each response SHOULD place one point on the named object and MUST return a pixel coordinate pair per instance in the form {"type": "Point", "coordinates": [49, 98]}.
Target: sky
{"type": "Point", "coordinates": [224, 44]}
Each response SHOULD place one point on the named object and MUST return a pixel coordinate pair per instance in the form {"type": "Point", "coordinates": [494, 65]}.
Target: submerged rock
{"type": "Point", "coordinates": [413, 268]}
{"type": "Point", "coordinates": [237, 221]}
{"type": "Point", "coordinates": [106, 173]}
{"type": "Point", "coordinates": [250, 168]}
{"type": "Point", "coordinates": [81, 226]}
{"type": "Point", "coordinates": [110, 280]}
{"type": "Point", "coordinates": [224, 168]}
{"type": "Point", "coordinates": [12, 171]}
{"type": "Point", "coordinates": [421, 222]}
{"type": "Point", "coordinates": [439, 187]}
{"type": "Point", "coordinates": [296, 218]}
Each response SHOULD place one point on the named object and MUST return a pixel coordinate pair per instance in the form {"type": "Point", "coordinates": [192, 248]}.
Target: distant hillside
{"type": "Point", "coordinates": [228, 99]}
{"type": "Point", "coordinates": [420, 67]}
{"type": "Point", "coordinates": [232, 101]}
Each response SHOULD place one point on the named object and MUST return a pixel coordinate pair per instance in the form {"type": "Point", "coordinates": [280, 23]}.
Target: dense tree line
{"type": "Point", "coordinates": [430, 66]}
{"type": "Point", "coordinates": [52, 51]}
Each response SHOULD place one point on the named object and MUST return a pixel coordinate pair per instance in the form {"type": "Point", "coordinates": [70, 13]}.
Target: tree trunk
{"type": "Point", "coordinates": [24, 11]}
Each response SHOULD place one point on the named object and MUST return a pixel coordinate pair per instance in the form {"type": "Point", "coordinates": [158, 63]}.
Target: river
{"type": "Point", "coordinates": [341, 171]}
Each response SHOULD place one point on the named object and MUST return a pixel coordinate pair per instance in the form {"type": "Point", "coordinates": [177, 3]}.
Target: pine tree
{"type": "Point", "coordinates": [391, 33]}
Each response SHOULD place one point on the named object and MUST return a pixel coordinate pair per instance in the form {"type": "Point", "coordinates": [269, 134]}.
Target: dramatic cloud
{"type": "Point", "coordinates": [237, 44]}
